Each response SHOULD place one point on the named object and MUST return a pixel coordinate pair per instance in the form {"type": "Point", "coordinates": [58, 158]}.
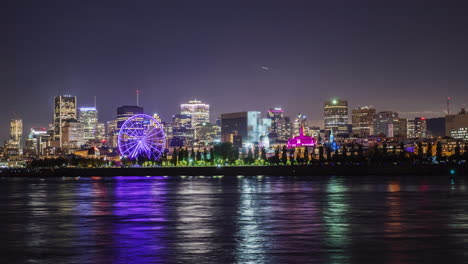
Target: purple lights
{"type": "Point", "coordinates": [301, 140]}
{"type": "Point", "coordinates": [141, 136]}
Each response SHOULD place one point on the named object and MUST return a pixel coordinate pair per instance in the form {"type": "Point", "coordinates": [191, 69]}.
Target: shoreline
{"type": "Point", "coordinates": [296, 170]}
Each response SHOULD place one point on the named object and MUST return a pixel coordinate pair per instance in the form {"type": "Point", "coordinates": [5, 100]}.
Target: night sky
{"type": "Point", "coordinates": [239, 56]}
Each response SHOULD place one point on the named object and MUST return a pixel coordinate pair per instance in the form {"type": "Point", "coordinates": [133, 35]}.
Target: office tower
{"type": "Point", "coordinates": [336, 116]}
{"type": "Point", "coordinates": [125, 112]}
{"type": "Point", "coordinates": [14, 145]}
{"type": "Point", "coordinates": [420, 127]}
{"type": "Point", "coordinates": [456, 126]}
{"type": "Point", "coordinates": [199, 112]}
{"type": "Point", "coordinates": [410, 129]}
{"type": "Point", "coordinates": [207, 134]}
{"type": "Point", "coordinates": [100, 131]}
{"type": "Point", "coordinates": [64, 110]}
{"type": "Point", "coordinates": [388, 124]}
{"type": "Point", "coordinates": [32, 142]}
{"type": "Point", "coordinates": [249, 127]}
{"type": "Point", "coordinates": [300, 122]}
{"type": "Point", "coordinates": [280, 125]}
{"type": "Point", "coordinates": [182, 130]}
{"type": "Point", "coordinates": [435, 126]}
{"type": "Point", "coordinates": [363, 121]}
{"type": "Point", "coordinates": [88, 116]}
{"type": "Point", "coordinates": [72, 136]}
{"type": "Point", "coordinates": [112, 133]}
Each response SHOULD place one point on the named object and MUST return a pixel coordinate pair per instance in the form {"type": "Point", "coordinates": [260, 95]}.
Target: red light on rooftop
{"type": "Point", "coordinates": [423, 118]}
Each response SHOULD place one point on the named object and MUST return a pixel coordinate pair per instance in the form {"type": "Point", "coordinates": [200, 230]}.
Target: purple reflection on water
{"type": "Point", "coordinates": [140, 225]}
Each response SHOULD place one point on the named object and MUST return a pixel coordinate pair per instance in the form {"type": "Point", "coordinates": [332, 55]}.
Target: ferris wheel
{"type": "Point", "coordinates": [141, 136]}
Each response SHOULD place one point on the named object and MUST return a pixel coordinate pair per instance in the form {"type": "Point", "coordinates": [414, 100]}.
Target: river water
{"type": "Point", "coordinates": [234, 220]}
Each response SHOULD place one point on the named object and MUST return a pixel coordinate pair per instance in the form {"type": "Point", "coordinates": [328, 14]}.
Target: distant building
{"type": "Point", "coordinates": [88, 116]}
{"type": "Point", "coordinates": [125, 112]}
{"type": "Point", "coordinates": [33, 141]}
{"type": "Point", "coordinates": [420, 127]}
{"type": "Point", "coordinates": [207, 134]}
{"type": "Point", "coordinates": [410, 128]}
{"type": "Point", "coordinates": [388, 124]}
{"type": "Point", "coordinates": [14, 145]}
{"type": "Point", "coordinates": [72, 136]}
{"type": "Point", "coordinates": [363, 121]}
{"type": "Point", "coordinates": [336, 116]}
{"type": "Point", "coordinates": [456, 126]}
{"type": "Point", "coordinates": [280, 125]}
{"type": "Point", "coordinates": [198, 111]}
{"type": "Point", "coordinates": [182, 130]}
{"type": "Point", "coordinates": [300, 122]}
{"type": "Point", "coordinates": [436, 126]}
{"type": "Point", "coordinates": [249, 126]}
{"type": "Point", "coordinates": [64, 110]}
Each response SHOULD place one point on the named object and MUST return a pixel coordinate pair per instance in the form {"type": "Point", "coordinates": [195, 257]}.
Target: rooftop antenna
{"type": "Point", "coordinates": [95, 104]}
{"type": "Point", "coordinates": [448, 105]}
{"type": "Point", "coordinates": [138, 97]}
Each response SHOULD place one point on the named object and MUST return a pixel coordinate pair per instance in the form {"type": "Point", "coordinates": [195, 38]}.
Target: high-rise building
{"type": "Point", "coordinates": [363, 121]}
{"type": "Point", "coordinates": [420, 127]}
{"type": "Point", "coordinates": [182, 130]}
{"type": "Point", "coordinates": [199, 112]}
{"type": "Point", "coordinates": [388, 124]}
{"type": "Point", "coordinates": [112, 133]}
{"type": "Point", "coordinates": [14, 145]}
{"type": "Point", "coordinates": [72, 136]}
{"type": "Point", "coordinates": [300, 122]}
{"type": "Point", "coordinates": [88, 116]}
{"type": "Point", "coordinates": [64, 110]}
{"type": "Point", "coordinates": [410, 128]}
{"type": "Point", "coordinates": [32, 142]}
{"type": "Point", "coordinates": [436, 126]}
{"type": "Point", "coordinates": [207, 134]}
{"type": "Point", "coordinates": [456, 126]}
{"type": "Point", "coordinates": [280, 125]}
{"type": "Point", "coordinates": [125, 112]}
{"type": "Point", "coordinates": [249, 126]}
{"type": "Point", "coordinates": [336, 116]}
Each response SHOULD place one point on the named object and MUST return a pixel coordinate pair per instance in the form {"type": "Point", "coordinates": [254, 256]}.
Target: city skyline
{"type": "Point", "coordinates": [397, 59]}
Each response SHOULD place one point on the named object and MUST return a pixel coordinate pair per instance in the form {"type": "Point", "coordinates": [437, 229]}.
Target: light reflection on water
{"type": "Point", "coordinates": [234, 220]}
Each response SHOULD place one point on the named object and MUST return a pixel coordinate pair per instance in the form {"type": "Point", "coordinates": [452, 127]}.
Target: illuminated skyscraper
{"type": "Point", "coordinates": [33, 141]}
{"type": "Point", "coordinates": [456, 126]}
{"type": "Point", "coordinates": [14, 145]}
{"type": "Point", "coordinates": [300, 122]}
{"type": "Point", "coordinates": [420, 127]}
{"type": "Point", "coordinates": [388, 124]}
{"type": "Point", "coordinates": [410, 129]}
{"type": "Point", "coordinates": [250, 127]}
{"type": "Point", "coordinates": [199, 112]}
{"type": "Point", "coordinates": [336, 116]}
{"type": "Point", "coordinates": [64, 110]}
{"type": "Point", "coordinates": [363, 121]}
{"type": "Point", "coordinates": [280, 125]}
{"type": "Point", "coordinates": [88, 116]}
{"type": "Point", "coordinates": [72, 136]}
{"type": "Point", "coordinates": [125, 112]}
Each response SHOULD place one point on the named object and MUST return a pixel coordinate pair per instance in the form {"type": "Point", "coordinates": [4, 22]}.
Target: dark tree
{"type": "Point", "coordinates": [306, 155]}
{"type": "Point", "coordinates": [256, 153]}
{"type": "Point", "coordinates": [249, 159]}
{"type": "Point", "coordinates": [284, 155]}
{"type": "Point", "coordinates": [429, 150]}
{"type": "Point", "coordinates": [291, 155]}
{"type": "Point", "coordinates": [263, 154]}
{"type": "Point", "coordinates": [439, 151]}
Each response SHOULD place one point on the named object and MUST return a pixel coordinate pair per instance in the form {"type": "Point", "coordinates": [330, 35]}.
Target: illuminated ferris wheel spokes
{"type": "Point", "coordinates": [141, 136]}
